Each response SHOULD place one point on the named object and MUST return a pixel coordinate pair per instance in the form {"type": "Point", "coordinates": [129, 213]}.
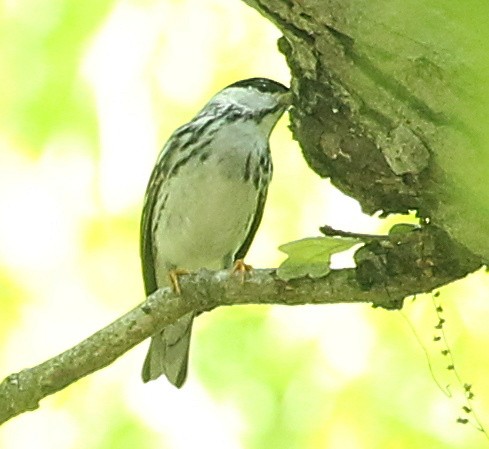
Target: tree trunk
{"type": "Point", "coordinates": [391, 104]}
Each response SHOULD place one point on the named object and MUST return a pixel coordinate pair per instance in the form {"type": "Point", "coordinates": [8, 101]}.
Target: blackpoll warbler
{"type": "Point", "coordinates": [205, 200]}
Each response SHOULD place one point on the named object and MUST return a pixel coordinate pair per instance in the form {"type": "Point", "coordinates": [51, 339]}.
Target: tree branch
{"type": "Point", "coordinates": [387, 271]}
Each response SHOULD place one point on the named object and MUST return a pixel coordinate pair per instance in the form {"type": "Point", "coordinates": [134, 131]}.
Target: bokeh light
{"type": "Point", "coordinates": [90, 92]}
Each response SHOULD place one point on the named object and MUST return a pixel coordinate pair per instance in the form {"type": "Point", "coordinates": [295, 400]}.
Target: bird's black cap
{"type": "Point", "coordinates": [261, 84]}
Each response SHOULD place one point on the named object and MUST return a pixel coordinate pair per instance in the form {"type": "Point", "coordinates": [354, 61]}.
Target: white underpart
{"type": "Point", "coordinates": [210, 209]}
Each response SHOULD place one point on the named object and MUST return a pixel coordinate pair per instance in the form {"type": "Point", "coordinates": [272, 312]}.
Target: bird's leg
{"type": "Point", "coordinates": [242, 268]}
{"type": "Point", "coordinates": [173, 275]}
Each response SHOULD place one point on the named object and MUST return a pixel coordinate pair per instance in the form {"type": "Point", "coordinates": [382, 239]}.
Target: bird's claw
{"type": "Point", "coordinates": [173, 275]}
{"type": "Point", "coordinates": [242, 268]}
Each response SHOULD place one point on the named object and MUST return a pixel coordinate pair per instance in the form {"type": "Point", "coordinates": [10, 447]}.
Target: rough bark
{"type": "Point", "coordinates": [390, 104]}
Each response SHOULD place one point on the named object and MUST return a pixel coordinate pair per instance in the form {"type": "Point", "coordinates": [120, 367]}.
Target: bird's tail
{"type": "Point", "coordinates": [168, 352]}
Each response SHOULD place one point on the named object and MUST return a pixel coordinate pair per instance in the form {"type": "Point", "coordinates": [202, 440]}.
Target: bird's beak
{"type": "Point", "coordinates": [286, 99]}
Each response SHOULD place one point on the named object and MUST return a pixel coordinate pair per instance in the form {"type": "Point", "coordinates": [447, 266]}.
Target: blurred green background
{"type": "Point", "coordinates": [89, 91]}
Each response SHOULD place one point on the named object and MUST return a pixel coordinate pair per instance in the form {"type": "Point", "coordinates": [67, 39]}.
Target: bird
{"type": "Point", "coordinates": [204, 202]}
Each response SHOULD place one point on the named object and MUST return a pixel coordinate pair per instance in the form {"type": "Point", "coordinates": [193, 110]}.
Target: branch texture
{"type": "Point", "coordinates": [387, 271]}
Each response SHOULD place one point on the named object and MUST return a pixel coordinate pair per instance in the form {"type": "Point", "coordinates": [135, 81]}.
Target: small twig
{"type": "Point", "coordinates": [331, 232]}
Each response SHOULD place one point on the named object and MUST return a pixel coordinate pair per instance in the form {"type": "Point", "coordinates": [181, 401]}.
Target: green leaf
{"type": "Point", "coordinates": [402, 228]}
{"type": "Point", "coordinates": [311, 256]}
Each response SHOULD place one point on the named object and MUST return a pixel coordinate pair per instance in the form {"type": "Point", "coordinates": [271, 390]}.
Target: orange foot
{"type": "Point", "coordinates": [173, 275]}
{"type": "Point", "coordinates": [242, 268]}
